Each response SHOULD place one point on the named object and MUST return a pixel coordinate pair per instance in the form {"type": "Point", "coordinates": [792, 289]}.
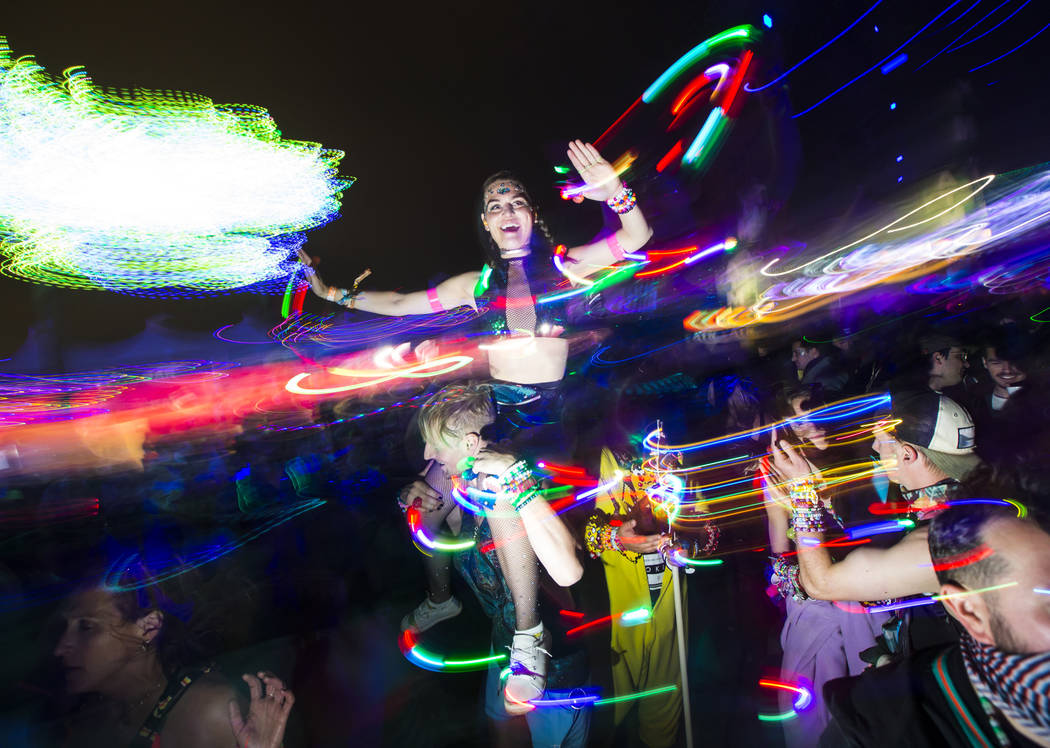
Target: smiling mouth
{"type": "Point", "coordinates": [510, 228]}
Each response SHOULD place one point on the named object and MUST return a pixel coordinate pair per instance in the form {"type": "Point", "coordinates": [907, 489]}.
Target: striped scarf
{"type": "Point", "coordinates": [1018, 685]}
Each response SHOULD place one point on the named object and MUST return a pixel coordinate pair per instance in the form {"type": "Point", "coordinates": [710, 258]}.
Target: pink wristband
{"type": "Point", "coordinates": [435, 302]}
{"type": "Point", "coordinates": [614, 246]}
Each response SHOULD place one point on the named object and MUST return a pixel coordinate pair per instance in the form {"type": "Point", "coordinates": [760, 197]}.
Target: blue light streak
{"type": "Point", "coordinates": [950, 48]}
{"type": "Point", "coordinates": [895, 63]}
{"type": "Point", "coordinates": [1007, 54]}
{"type": "Point", "coordinates": [811, 55]}
{"type": "Point", "coordinates": [910, 39]}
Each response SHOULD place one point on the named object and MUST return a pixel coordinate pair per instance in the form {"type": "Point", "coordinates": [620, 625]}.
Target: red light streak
{"type": "Point", "coordinates": [738, 80]}
{"type": "Point", "coordinates": [588, 625]}
{"type": "Point", "coordinates": [614, 125]}
{"type": "Point", "coordinates": [954, 562]}
{"type": "Point", "coordinates": [697, 83]}
{"type": "Point", "coordinates": [672, 154]}
{"type": "Point", "coordinates": [572, 613]}
{"type": "Point", "coordinates": [891, 507]}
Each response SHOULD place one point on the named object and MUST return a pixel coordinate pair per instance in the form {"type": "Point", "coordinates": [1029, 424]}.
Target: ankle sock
{"type": "Point", "coordinates": [536, 630]}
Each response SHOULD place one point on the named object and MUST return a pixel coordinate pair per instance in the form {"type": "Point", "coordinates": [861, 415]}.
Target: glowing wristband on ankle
{"type": "Point", "coordinates": [614, 246]}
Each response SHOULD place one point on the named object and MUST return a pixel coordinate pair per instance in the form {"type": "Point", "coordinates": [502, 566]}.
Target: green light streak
{"type": "Point", "coordinates": [697, 52]}
{"type": "Point", "coordinates": [633, 696]}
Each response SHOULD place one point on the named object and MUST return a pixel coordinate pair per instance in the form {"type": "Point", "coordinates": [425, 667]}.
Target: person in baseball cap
{"type": "Point", "coordinates": [940, 429]}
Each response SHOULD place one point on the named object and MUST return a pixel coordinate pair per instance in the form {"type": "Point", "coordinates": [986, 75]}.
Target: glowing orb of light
{"type": "Point", "coordinates": [158, 193]}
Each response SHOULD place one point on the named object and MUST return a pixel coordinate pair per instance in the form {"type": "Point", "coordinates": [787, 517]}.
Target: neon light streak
{"type": "Point", "coordinates": [568, 469]}
{"type": "Point", "coordinates": [969, 558]}
{"type": "Point", "coordinates": [571, 613]}
{"type": "Point", "coordinates": [111, 581]}
{"type": "Point", "coordinates": [612, 483]}
{"type": "Point", "coordinates": [636, 617]}
{"type": "Point", "coordinates": [574, 701]}
{"type": "Point", "coordinates": [697, 562]}
{"type": "Point", "coordinates": [697, 52]}
{"type": "Point", "coordinates": [588, 625]}
{"type": "Point", "coordinates": [834, 411]}
{"type": "Point", "coordinates": [805, 696]}
{"type": "Point", "coordinates": [937, 598]}
{"type": "Point", "coordinates": [418, 371]}
{"type": "Point", "coordinates": [689, 91]}
{"type": "Point", "coordinates": [415, 524]}
{"type": "Point", "coordinates": [1040, 591]}
{"type": "Point", "coordinates": [1007, 54]}
{"type": "Point", "coordinates": [881, 62]}
{"type": "Point", "coordinates": [706, 135]}
{"type": "Point", "coordinates": [892, 226]}
{"type": "Point", "coordinates": [893, 64]}
{"type": "Point", "coordinates": [671, 155]}
{"type": "Point", "coordinates": [1022, 510]}
{"type": "Point", "coordinates": [615, 276]}
{"type": "Point", "coordinates": [738, 80]}
{"type": "Point", "coordinates": [634, 696]}
{"type": "Point", "coordinates": [950, 48]}
{"type": "Point", "coordinates": [880, 528]}
{"type": "Point", "coordinates": [817, 51]}
{"type": "Point", "coordinates": [434, 662]}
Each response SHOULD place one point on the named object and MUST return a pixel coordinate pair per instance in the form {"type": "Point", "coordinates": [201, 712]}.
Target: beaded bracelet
{"type": "Point", "coordinates": [786, 579]}
{"type": "Point", "coordinates": [517, 485]}
{"type": "Point", "coordinates": [807, 513]}
{"type": "Point", "coordinates": [713, 536]}
{"type": "Point", "coordinates": [623, 201]}
{"type": "Point", "coordinates": [600, 535]}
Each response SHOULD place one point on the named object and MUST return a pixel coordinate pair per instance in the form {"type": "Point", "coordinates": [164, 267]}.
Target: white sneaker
{"type": "Point", "coordinates": [528, 667]}
{"type": "Point", "coordinates": [428, 614]}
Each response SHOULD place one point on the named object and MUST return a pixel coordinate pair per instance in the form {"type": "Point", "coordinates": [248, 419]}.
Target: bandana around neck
{"type": "Point", "coordinates": [1018, 685]}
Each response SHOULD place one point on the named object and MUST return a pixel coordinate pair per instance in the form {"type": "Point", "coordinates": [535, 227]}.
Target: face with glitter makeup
{"type": "Point", "coordinates": [508, 218]}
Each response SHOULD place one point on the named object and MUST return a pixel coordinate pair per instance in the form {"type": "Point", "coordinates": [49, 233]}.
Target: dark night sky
{"type": "Point", "coordinates": [427, 99]}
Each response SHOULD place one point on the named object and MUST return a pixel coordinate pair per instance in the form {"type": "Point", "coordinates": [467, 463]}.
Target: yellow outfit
{"type": "Point", "coordinates": [644, 656]}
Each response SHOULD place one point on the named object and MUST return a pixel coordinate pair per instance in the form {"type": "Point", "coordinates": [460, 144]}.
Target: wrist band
{"type": "Point", "coordinates": [785, 578]}
{"type": "Point", "coordinates": [614, 246]}
{"type": "Point", "coordinates": [350, 297]}
{"type": "Point", "coordinates": [332, 291]}
{"type": "Point", "coordinates": [599, 535]}
{"type": "Point", "coordinates": [517, 485]}
{"type": "Point", "coordinates": [623, 201]}
{"type": "Point", "coordinates": [435, 302]}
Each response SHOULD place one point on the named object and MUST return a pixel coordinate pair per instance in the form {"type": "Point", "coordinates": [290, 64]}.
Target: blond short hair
{"type": "Point", "coordinates": [456, 410]}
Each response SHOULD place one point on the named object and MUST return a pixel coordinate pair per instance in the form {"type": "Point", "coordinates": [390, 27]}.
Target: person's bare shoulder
{"type": "Point", "coordinates": [202, 716]}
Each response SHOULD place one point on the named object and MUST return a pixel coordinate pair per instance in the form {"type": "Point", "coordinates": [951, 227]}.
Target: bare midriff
{"type": "Point", "coordinates": [532, 361]}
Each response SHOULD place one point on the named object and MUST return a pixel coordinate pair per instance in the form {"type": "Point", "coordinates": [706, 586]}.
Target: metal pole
{"type": "Point", "coordinates": [680, 627]}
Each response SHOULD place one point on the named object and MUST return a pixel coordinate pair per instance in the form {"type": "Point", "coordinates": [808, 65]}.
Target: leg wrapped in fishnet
{"type": "Point", "coordinates": [518, 563]}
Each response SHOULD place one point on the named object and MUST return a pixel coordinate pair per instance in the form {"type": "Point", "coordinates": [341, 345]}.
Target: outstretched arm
{"type": "Point", "coordinates": [604, 184]}
{"type": "Point", "coordinates": [454, 292]}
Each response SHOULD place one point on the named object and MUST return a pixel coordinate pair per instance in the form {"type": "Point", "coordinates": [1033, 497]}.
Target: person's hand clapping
{"type": "Point", "coordinates": [598, 174]}
{"type": "Point", "coordinates": [268, 712]}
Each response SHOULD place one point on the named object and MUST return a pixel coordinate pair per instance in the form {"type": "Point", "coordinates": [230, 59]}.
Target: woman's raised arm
{"type": "Point", "coordinates": [604, 184]}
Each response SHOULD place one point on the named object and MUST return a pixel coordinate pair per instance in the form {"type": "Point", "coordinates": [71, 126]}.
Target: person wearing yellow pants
{"type": "Point", "coordinates": [644, 656]}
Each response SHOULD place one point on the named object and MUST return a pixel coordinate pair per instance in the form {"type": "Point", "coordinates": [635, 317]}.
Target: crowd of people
{"type": "Point", "coordinates": [931, 629]}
